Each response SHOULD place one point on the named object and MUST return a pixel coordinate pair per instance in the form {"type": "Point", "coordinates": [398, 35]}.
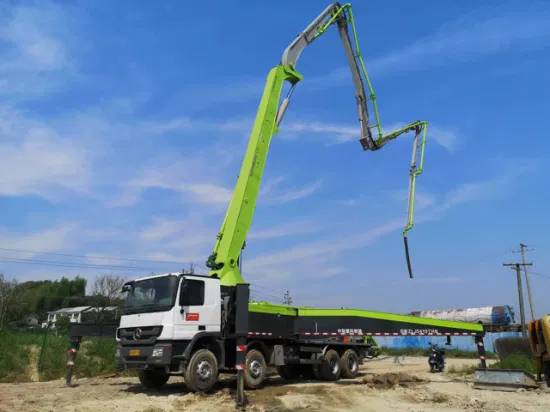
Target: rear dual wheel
{"type": "Point", "coordinates": [290, 371]}
{"type": "Point", "coordinates": [349, 364]}
{"type": "Point", "coordinates": [330, 369]}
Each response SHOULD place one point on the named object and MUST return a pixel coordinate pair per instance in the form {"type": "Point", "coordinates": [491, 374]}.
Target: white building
{"type": "Point", "coordinates": [74, 314]}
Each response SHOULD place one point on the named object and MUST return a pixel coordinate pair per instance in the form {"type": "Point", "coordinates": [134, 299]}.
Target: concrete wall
{"type": "Point", "coordinates": [457, 342]}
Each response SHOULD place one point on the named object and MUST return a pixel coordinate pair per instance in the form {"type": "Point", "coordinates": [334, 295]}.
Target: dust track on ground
{"type": "Point", "coordinates": [391, 384]}
{"type": "Point", "coordinates": [32, 370]}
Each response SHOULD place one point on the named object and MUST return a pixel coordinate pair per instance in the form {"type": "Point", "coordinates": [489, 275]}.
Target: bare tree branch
{"type": "Point", "coordinates": [109, 286]}
{"type": "Point", "coordinates": [7, 298]}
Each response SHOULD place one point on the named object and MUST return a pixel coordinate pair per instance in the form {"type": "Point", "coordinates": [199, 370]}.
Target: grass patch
{"type": "Point", "coordinates": [517, 361]}
{"type": "Point", "coordinates": [20, 353]}
{"type": "Point", "coordinates": [449, 353]}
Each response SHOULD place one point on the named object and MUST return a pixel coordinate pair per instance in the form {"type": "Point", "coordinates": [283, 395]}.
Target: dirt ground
{"type": "Point", "coordinates": [375, 390]}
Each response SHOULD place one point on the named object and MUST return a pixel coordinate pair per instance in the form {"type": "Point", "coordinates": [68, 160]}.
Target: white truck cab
{"type": "Point", "coordinates": [163, 313]}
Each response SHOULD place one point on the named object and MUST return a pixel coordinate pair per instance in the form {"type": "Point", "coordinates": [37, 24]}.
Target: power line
{"type": "Point", "coordinates": [268, 289]}
{"type": "Point", "coordinates": [267, 295]}
{"type": "Point", "coordinates": [73, 264]}
{"type": "Point", "coordinates": [539, 274]}
{"type": "Point", "coordinates": [96, 257]}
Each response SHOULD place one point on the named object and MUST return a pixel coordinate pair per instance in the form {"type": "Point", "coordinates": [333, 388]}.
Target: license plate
{"type": "Point", "coordinates": [135, 352]}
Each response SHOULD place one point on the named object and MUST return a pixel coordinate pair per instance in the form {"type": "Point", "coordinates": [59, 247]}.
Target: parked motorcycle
{"type": "Point", "coordinates": [437, 358]}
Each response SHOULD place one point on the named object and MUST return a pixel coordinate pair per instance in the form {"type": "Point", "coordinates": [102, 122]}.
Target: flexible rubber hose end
{"type": "Point", "coordinates": [407, 256]}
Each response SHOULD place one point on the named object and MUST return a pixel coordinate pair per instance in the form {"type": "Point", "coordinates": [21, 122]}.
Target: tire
{"type": "Point", "coordinates": [546, 371]}
{"type": "Point", "coordinates": [317, 373]}
{"type": "Point", "coordinates": [330, 368]}
{"type": "Point", "coordinates": [256, 369]}
{"type": "Point", "coordinates": [153, 379]}
{"type": "Point", "coordinates": [307, 371]}
{"type": "Point", "coordinates": [349, 363]}
{"type": "Point", "coordinates": [202, 371]}
{"type": "Point", "coordinates": [289, 372]}
{"type": "Point", "coordinates": [432, 368]}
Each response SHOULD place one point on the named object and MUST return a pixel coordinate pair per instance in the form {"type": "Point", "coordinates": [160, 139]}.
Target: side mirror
{"type": "Point", "coordinates": [126, 288]}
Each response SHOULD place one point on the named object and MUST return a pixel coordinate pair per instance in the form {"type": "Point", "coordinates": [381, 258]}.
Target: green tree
{"type": "Point", "coordinates": [62, 324]}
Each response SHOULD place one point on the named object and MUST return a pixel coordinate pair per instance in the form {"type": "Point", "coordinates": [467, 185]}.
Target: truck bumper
{"type": "Point", "coordinates": [139, 356]}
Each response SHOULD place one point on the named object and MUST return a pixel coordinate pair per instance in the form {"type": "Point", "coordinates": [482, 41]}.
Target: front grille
{"type": "Point", "coordinates": [147, 335]}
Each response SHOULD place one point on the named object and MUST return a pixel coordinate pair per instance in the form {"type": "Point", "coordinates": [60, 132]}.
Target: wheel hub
{"type": "Point", "coordinates": [255, 368]}
{"type": "Point", "coordinates": [334, 366]}
{"type": "Point", "coordinates": [352, 365]}
{"type": "Point", "coordinates": [204, 371]}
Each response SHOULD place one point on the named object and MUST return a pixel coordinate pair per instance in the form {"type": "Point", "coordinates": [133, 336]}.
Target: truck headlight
{"type": "Point", "coordinates": [157, 352]}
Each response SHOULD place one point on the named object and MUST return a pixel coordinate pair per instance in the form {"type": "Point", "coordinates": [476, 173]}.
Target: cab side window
{"type": "Point", "coordinates": [192, 293]}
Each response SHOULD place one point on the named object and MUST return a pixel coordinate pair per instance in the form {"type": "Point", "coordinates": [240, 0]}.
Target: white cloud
{"type": "Point", "coordinates": [479, 191]}
{"type": "Point", "coordinates": [307, 251]}
{"type": "Point", "coordinates": [465, 39]}
{"type": "Point", "coordinates": [48, 240]}
{"type": "Point", "coordinates": [34, 60]}
{"type": "Point", "coordinates": [185, 240]}
{"type": "Point", "coordinates": [422, 200]}
{"type": "Point", "coordinates": [162, 228]}
{"type": "Point", "coordinates": [199, 182]}
{"type": "Point", "coordinates": [35, 160]}
{"type": "Point", "coordinates": [444, 137]}
{"type": "Point", "coordinates": [192, 176]}
{"type": "Point", "coordinates": [315, 257]}
{"type": "Point", "coordinates": [460, 40]}
{"type": "Point", "coordinates": [348, 202]}
{"type": "Point", "coordinates": [337, 134]}
{"type": "Point", "coordinates": [179, 124]}
{"type": "Point", "coordinates": [268, 185]}
{"type": "Point", "coordinates": [285, 229]}
{"type": "Point", "coordinates": [295, 194]}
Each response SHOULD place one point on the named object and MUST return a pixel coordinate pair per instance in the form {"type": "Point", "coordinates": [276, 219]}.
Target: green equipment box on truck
{"type": "Point", "coordinates": [197, 326]}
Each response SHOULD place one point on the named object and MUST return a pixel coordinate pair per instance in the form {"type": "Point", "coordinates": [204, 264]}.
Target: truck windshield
{"type": "Point", "coordinates": [152, 295]}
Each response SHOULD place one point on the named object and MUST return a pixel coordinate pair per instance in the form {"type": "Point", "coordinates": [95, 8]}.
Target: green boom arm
{"type": "Point", "coordinates": [223, 262]}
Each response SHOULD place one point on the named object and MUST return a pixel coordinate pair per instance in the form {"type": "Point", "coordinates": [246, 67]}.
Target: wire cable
{"type": "Point", "coordinates": [539, 274]}
{"type": "Point", "coordinates": [74, 264]}
{"type": "Point", "coordinates": [96, 257]}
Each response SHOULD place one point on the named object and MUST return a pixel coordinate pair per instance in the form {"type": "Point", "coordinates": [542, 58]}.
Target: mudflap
{"type": "Point", "coordinates": [504, 379]}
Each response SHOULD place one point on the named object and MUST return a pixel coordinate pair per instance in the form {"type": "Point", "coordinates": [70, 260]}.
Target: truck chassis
{"type": "Point", "coordinates": [323, 344]}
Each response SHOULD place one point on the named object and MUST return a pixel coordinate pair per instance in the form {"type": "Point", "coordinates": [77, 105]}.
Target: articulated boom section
{"type": "Point", "coordinates": [224, 260]}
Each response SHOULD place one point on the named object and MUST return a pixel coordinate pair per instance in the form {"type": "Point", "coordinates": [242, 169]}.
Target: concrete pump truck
{"type": "Point", "coordinates": [196, 326]}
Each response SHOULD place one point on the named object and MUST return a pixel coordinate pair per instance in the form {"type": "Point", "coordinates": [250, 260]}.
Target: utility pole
{"type": "Point", "coordinates": [287, 299]}
{"type": "Point", "coordinates": [520, 293]}
{"type": "Point", "coordinates": [522, 251]}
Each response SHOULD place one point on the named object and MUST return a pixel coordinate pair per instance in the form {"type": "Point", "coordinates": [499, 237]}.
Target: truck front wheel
{"type": "Point", "coordinates": [349, 364]}
{"type": "Point", "coordinates": [202, 371]}
{"type": "Point", "coordinates": [153, 379]}
{"type": "Point", "coordinates": [256, 369]}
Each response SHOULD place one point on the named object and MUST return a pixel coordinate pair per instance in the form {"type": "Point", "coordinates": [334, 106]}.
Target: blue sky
{"type": "Point", "coordinates": [123, 127]}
